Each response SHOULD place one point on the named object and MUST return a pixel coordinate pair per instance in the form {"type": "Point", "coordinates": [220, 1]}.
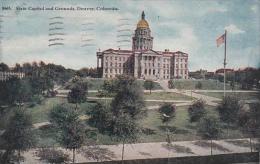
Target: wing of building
{"type": "Point", "coordinates": [142, 61]}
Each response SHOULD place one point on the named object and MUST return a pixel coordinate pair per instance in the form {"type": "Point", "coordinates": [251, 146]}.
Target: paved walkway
{"type": "Point", "coordinates": [155, 150]}
{"type": "Point", "coordinates": [208, 99]}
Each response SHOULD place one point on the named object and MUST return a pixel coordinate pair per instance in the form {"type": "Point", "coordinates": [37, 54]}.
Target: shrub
{"type": "Point", "coordinates": [196, 110]}
{"type": "Point", "coordinates": [198, 85]}
{"type": "Point", "coordinates": [167, 112]}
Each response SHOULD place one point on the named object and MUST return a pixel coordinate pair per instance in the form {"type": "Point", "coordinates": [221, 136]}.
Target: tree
{"type": "Point", "coordinates": [100, 117]}
{"type": "Point", "coordinates": [73, 136]}
{"type": "Point", "coordinates": [4, 67]}
{"type": "Point", "coordinates": [197, 110]}
{"type": "Point", "coordinates": [126, 109]}
{"type": "Point", "coordinates": [149, 85]}
{"type": "Point", "coordinates": [18, 135]}
{"type": "Point", "coordinates": [198, 85]}
{"type": "Point", "coordinates": [129, 98]}
{"type": "Point", "coordinates": [209, 128]}
{"type": "Point", "coordinates": [124, 129]}
{"type": "Point", "coordinates": [78, 94]}
{"type": "Point", "coordinates": [71, 130]}
{"type": "Point", "coordinates": [228, 109]}
{"type": "Point", "coordinates": [109, 87]}
{"type": "Point", "coordinates": [249, 121]}
{"type": "Point", "coordinates": [167, 113]}
{"type": "Point", "coordinates": [15, 91]}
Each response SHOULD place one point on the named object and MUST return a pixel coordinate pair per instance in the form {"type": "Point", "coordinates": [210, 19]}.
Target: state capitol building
{"type": "Point", "coordinates": [142, 61]}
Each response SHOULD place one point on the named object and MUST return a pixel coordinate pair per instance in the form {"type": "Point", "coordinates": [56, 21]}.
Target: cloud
{"type": "Point", "coordinates": [254, 8]}
{"type": "Point", "coordinates": [186, 41]}
{"type": "Point", "coordinates": [233, 29]}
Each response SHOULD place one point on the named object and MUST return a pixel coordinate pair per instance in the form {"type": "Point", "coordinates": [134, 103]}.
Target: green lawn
{"type": "Point", "coordinates": [95, 84]}
{"type": "Point", "coordinates": [241, 95]}
{"type": "Point", "coordinates": [40, 112]}
{"type": "Point", "coordinates": [166, 96]}
{"type": "Point", "coordinates": [206, 84]}
{"type": "Point", "coordinates": [156, 85]}
{"type": "Point", "coordinates": [181, 129]}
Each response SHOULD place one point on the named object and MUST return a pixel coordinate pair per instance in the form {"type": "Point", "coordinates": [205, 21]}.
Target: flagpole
{"type": "Point", "coordinates": [225, 55]}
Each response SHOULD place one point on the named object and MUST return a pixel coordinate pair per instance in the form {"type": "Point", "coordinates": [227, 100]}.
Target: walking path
{"type": "Point", "coordinates": [156, 150]}
{"type": "Point", "coordinates": [208, 99]}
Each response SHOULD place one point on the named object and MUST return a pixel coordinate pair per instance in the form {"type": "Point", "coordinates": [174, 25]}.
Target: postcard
{"type": "Point", "coordinates": [172, 81]}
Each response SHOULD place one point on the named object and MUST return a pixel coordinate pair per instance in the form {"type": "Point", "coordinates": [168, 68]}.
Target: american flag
{"type": "Point", "coordinates": [221, 40]}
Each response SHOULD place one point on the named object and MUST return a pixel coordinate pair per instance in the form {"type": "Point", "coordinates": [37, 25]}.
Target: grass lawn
{"type": "Point", "coordinates": [206, 84]}
{"type": "Point", "coordinates": [95, 84]}
{"type": "Point", "coordinates": [166, 96]}
{"type": "Point", "coordinates": [40, 112]}
{"type": "Point", "coordinates": [156, 85]}
{"type": "Point", "coordinates": [241, 95]}
{"type": "Point", "coordinates": [154, 131]}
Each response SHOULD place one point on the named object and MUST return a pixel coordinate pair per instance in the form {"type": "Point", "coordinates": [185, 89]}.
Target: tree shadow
{"type": "Point", "coordinates": [145, 154]}
{"type": "Point", "coordinates": [173, 129]}
{"type": "Point", "coordinates": [97, 153]}
{"type": "Point", "coordinates": [177, 148]}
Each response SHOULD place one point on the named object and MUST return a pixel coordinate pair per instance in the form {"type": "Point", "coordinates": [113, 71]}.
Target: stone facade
{"type": "Point", "coordinates": [142, 61]}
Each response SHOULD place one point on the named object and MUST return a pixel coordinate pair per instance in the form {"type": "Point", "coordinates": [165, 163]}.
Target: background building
{"type": "Point", "coordinates": [142, 61]}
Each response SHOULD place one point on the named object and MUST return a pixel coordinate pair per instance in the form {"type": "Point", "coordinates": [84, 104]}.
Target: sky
{"type": "Point", "coordinates": [191, 26]}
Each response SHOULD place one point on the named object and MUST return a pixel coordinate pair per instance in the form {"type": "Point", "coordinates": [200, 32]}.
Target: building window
{"type": "Point", "coordinates": [111, 70]}
{"type": "Point", "coordinates": [106, 70]}
{"type": "Point", "coordinates": [145, 71]}
{"type": "Point", "coordinates": [154, 72]}
{"type": "Point", "coordinates": [167, 71]}
{"type": "Point", "coordinates": [144, 64]}
{"type": "Point", "coordinates": [163, 65]}
{"type": "Point", "coordinates": [111, 58]}
{"type": "Point", "coordinates": [149, 71]}
{"type": "Point", "coordinates": [116, 71]}
{"type": "Point", "coordinates": [123, 58]}
{"type": "Point", "coordinates": [158, 64]}
{"type": "Point", "coordinates": [106, 64]}
{"type": "Point", "coordinates": [119, 64]}
{"type": "Point", "coordinates": [181, 65]}
{"type": "Point", "coordinates": [115, 64]}
{"type": "Point", "coordinates": [163, 71]}
{"type": "Point", "coordinates": [106, 57]}
{"type": "Point", "coordinates": [111, 64]}
{"type": "Point", "coordinates": [119, 58]}
{"type": "Point", "coordinates": [167, 65]}
{"type": "Point", "coordinates": [120, 71]}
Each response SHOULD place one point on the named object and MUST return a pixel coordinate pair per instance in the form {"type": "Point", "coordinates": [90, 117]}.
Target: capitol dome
{"type": "Point", "coordinates": [143, 23]}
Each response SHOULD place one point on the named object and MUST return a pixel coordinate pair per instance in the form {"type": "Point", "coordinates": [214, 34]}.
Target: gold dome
{"type": "Point", "coordinates": [142, 24]}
